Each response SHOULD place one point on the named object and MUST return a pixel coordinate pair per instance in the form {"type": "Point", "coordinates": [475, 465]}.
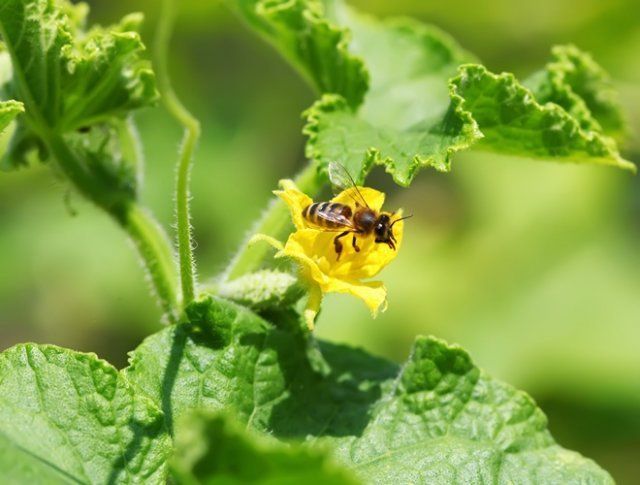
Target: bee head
{"type": "Point", "coordinates": [384, 229]}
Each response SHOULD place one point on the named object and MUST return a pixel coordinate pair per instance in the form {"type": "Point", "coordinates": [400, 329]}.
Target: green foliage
{"type": "Point", "coordinates": [315, 46]}
{"type": "Point", "coordinates": [70, 78]}
{"type": "Point", "coordinates": [410, 119]}
{"type": "Point", "coordinates": [437, 419]}
{"type": "Point", "coordinates": [514, 123]}
{"type": "Point", "coordinates": [74, 81]}
{"type": "Point", "coordinates": [213, 448]}
{"type": "Point", "coordinates": [69, 416]}
{"type": "Point", "coordinates": [78, 86]}
{"type": "Point", "coordinates": [576, 82]}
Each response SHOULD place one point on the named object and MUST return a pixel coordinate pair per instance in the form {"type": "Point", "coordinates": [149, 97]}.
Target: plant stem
{"type": "Point", "coordinates": [275, 223]}
{"type": "Point", "coordinates": [191, 135]}
{"type": "Point", "coordinates": [156, 253]}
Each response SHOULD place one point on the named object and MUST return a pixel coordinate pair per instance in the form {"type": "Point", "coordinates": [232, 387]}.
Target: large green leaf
{"type": "Point", "coordinates": [70, 417]}
{"type": "Point", "coordinates": [409, 118]}
{"type": "Point", "coordinates": [315, 46]}
{"type": "Point", "coordinates": [437, 419]}
{"type": "Point", "coordinates": [415, 115]}
{"type": "Point", "coordinates": [215, 449]}
{"type": "Point", "coordinates": [421, 107]}
{"type": "Point", "coordinates": [514, 123]}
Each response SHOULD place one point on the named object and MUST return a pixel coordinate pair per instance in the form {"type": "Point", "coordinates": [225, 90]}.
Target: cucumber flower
{"type": "Point", "coordinates": [313, 249]}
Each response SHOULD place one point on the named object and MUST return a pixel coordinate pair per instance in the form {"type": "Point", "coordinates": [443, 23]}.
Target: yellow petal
{"type": "Point", "coordinates": [373, 198]}
{"type": "Point", "coordinates": [295, 199]}
{"type": "Point", "coordinates": [373, 293]}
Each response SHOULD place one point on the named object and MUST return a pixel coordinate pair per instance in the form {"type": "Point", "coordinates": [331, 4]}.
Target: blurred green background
{"type": "Point", "coordinates": [533, 267]}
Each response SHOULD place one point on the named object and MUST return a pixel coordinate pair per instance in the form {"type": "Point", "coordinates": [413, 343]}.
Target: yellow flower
{"type": "Point", "coordinates": [313, 249]}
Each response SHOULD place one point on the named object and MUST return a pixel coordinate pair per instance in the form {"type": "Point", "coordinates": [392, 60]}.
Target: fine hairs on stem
{"type": "Point", "coordinates": [185, 157]}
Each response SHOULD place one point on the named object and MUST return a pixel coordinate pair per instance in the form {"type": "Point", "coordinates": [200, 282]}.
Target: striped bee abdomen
{"type": "Point", "coordinates": [328, 214]}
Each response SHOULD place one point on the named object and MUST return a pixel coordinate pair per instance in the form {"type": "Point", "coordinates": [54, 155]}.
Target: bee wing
{"type": "Point", "coordinates": [339, 177]}
{"type": "Point", "coordinates": [336, 219]}
{"type": "Point", "coordinates": [341, 180]}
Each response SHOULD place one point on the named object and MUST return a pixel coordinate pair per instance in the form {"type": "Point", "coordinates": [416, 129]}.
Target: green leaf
{"type": "Point", "coordinates": [409, 119]}
{"type": "Point", "coordinates": [514, 123]}
{"type": "Point", "coordinates": [8, 111]}
{"type": "Point", "coordinates": [71, 417]}
{"type": "Point", "coordinates": [213, 448]}
{"type": "Point", "coordinates": [437, 419]}
{"type": "Point", "coordinates": [21, 466]}
{"type": "Point", "coordinates": [316, 47]}
{"type": "Point", "coordinates": [576, 82]}
{"type": "Point", "coordinates": [337, 133]}
{"type": "Point", "coordinates": [415, 115]}
{"type": "Point", "coordinates": [69, 78]}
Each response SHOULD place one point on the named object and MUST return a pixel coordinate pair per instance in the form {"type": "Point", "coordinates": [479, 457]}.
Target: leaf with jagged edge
{"type": "Point", "coordinates": [437, 419]}
{"type": "Point", "coordinates": [573, 80]}
{"type": "Point", "coordinates": [408, 119]}
{"type": "Point", "coordinates": [316, 47]}
{"type": "Point", "coordinates": [414, 116]}
{"type": "Point", "coordinates": [514, 123]}
{"type": "Point", "coordinates": [71, 417]}
{"type": "Point", "coordinates": [215, 448]}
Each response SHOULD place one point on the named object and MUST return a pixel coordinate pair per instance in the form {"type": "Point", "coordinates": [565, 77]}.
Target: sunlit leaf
{"type": "Point", "coordinates": [427, 104]}
{"type": "Point", "coordinates": [576, 82]}
{"type": "Point", "coordinates": [436, 419]}
{"type": "Point", "coordinates": [70, 417]}
{"type": "Point", "coordinates": [514, 123]}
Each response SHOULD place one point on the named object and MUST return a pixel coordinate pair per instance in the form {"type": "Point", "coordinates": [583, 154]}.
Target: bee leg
{"type": "Point", "coordinates": [338, 245]}
{"type": "Point", "coordinates": [354, 244]}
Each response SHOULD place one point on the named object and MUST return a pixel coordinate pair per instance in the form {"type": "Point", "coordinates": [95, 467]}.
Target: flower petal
{"type": "Point", "coordinates": [373, 198]}
{"type": "Point", "coordinates": [372, 293]}
{"type": "Point", "coordinates": [296, 200]}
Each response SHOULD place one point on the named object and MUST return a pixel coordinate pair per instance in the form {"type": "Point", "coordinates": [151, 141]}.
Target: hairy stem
{"type": "Point", "coordinates": [191, 135]}
{"type": "Point", "coordinates": [275, 223]}
{"type": "Point", "coordinates": [157, 256]}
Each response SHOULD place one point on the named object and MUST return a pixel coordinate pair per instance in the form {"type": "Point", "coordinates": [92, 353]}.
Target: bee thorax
{"type": "Point", "coordinates": [365, 219]}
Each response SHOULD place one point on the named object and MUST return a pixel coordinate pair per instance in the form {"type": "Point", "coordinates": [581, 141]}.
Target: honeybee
{"type": "Point", "coordinates": [359, 221]}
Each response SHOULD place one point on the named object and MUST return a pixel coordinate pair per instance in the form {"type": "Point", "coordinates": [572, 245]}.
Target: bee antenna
{"type": "Point", "coordinates": [401, 219]}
